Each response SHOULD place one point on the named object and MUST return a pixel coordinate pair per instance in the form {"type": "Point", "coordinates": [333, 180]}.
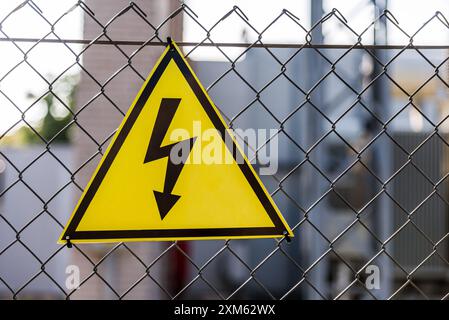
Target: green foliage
{"type": "Point", "coordinates": [58, 113]}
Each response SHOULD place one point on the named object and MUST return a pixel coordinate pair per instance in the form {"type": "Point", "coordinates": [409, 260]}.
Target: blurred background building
{"type": "Point", "coordinates": [341, 233]}
{"type": "Point", "coordinates": [103, 114]}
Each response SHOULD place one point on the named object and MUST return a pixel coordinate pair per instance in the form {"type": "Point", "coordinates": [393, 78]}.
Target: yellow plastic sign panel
{"type": "Point", "coordinates": [139, 193]}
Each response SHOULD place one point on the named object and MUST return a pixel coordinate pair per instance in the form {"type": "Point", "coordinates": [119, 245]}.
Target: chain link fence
{"type": "Point", "coordinates": [362, 171]}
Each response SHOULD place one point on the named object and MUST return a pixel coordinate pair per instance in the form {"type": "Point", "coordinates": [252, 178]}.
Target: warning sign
{"type": "Point", "coordinates": [158, 180]}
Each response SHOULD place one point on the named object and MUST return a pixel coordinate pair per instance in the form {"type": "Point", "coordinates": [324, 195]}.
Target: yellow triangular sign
{"type": "Point", "coordinates": [154, 181]}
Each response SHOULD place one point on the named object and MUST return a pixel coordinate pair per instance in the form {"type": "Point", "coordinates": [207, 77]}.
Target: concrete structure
{"type": "Point", "coordinates": [19, 206]}
{"type": "Point", "coordinates": [101, 117]}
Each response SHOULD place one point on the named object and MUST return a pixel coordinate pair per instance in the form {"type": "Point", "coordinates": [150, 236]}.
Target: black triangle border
{"type": "Point", "coordinates": [70, 233]}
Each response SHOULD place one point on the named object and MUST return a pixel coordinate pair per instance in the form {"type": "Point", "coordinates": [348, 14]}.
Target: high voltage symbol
{"type": "Point", "coordinates": [167, 110]}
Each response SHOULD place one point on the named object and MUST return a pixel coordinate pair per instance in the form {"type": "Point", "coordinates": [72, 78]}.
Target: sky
{"type": "Point", "coordinates": [54, 58]}
{"type": "Point", "coordinates": [46, 58]}
{"type": "Point", "coordinates": [411, 14]}
{"type": "Point", "coordinates": [232, 28]}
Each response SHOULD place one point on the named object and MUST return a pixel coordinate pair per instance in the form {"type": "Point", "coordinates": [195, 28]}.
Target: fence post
{"type": "Point", "coordinates": [382, 157]}
{"type": "Point", "coordinates": [315, 187]}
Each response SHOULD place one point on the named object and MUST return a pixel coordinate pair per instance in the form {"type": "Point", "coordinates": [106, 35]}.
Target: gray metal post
{"type": "Point", "coordinates": [382, 159]}
{"type": "Point", "coordinates": [314, 187]}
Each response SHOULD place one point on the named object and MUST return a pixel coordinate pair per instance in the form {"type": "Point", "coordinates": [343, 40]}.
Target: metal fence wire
{"type": "Point", "coordinates": [363, 159]}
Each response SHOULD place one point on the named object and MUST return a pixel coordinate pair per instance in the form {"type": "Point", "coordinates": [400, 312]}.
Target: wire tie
{"type": "Point", "coordinates": [69, 243]}
{"type": "Point", "coordinates": [170, 43]}
{"type": "Point", "coordinates": [287, 237]}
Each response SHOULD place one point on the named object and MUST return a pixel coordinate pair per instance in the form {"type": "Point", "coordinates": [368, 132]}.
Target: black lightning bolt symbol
{"type": "Point", "coordinates": [166, 200]}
